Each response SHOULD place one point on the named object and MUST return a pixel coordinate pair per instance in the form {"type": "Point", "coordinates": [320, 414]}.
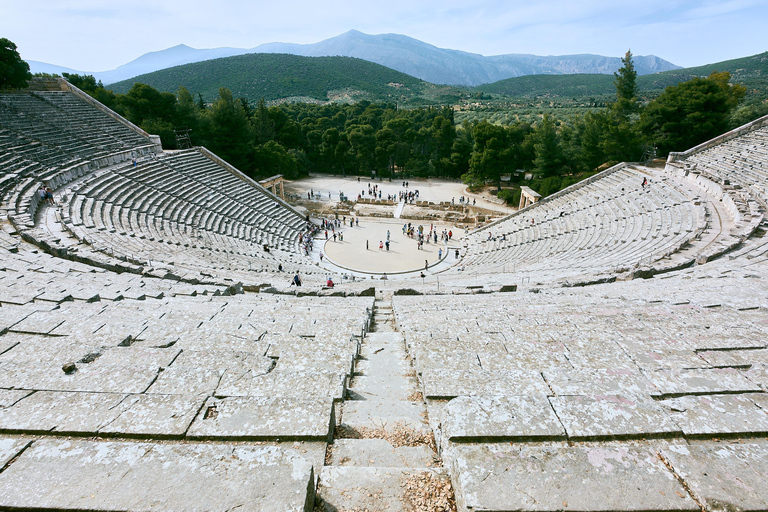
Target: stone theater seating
{"type": "Point", "coordinates": [140, 369]}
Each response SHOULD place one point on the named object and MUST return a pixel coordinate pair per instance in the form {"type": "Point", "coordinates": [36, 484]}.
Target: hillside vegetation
{"type": "Point", "coordinates": [752, 72]}
{"type": "Point", "coordinates": [276, 77]}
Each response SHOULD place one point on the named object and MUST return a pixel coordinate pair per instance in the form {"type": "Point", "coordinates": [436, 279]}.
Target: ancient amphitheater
{"type": "Point", "coordinates": [604, 349]}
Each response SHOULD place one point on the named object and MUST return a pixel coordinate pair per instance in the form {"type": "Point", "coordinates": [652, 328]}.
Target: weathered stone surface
{"type": "Point", "coordinates": [8, 397]}
{"type": "Point", "coordinates": [380, 453]}
{"type": "Point", "coordinates": [758, 373]}
{"type": "Point", "coordinates": [671, 383]}
{"type": "Point", "coordinates": [723, 476]}
{"type": "Point", "coordinates": [717, 414]}
{"type": "Point", "coordinates": [499, 477]}
{"type": "Point", "coordinates": [155, 416]}
{"type": "Point", "coordinates": [62, 412]}
{"type": "Point", "coordinates": [283, 383]}
{"type": "Point", "coordinates": [527, 357]}
{"type": "Point", "coordinates": [613, 381]}
{"type": "Point", "coordinates": [658, 358]}
{"type": "Point", "coordinates": [10, 448]}
{"type": "Point", "coordinates": [735, 358]}
{"type": "Point", "coordinates": [264, 418]}
{"type": "Point", "coordinates": [384, 414]}
{"type": "Point", "coordinates": [474, 418]}
{"type": "Point", "coordinates": [73, 474]}
{"type": "Point", "coordinates": [380, 489]}
{"type": "Point", "coordinates": [446, 383]}
{"type": "Point", "coordinates": [465, 361]}
{"type": "Point", "coordinates": [605, 416]}
{"type": "Point", "coordinates": [183, 380]}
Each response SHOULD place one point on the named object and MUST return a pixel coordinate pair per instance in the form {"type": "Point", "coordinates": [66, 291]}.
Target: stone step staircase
{"type": "Point", "coordinates": [383, 456]}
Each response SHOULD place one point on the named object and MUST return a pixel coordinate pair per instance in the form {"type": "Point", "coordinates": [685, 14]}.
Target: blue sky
{"type": "Point", "coordinates": [95, 35]}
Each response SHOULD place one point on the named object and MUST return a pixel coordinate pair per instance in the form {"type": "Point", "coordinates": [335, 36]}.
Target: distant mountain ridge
{"type": "Point", "coordinates": [399, 52]}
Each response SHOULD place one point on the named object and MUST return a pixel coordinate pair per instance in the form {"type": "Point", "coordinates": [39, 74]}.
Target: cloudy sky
{"type": "Point", "coordinates": [96, 35]}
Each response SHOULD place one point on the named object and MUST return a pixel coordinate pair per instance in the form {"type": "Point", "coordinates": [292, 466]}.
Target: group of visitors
{"type": "Point", "coordinates": [45, 194]}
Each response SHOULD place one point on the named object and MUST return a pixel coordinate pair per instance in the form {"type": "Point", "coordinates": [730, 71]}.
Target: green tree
{"type": "Point", "coordinates": [231, 135]}
{"type": "Point", "coordinates": [14, 72]}
{"type": "Point", "coordinates": [690, 113]}
{"type": "Point", "coordinates": [626, 87]}
{"type": "Point", "coordinates": [549, 159]}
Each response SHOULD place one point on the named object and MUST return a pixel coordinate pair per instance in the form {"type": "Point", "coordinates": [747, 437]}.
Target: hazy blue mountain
{"type": "Point", "coordinates": [443, 66]}
{"type": "Point", "coordinates": [401, 53]}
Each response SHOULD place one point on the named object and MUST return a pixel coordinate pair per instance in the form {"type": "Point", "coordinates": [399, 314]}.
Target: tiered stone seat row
{"type": "Point", "coordinates": [508, 382]}
{"type": "Point", "coordinates": [184, 203]}
{"type": "Point", "coordinates": [609, 224]}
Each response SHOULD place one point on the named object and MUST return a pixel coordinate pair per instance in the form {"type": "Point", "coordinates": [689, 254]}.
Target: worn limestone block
{"type": "Point", "coordinates": [607, 381]}
{"type": "Point", "coordinates": [658, 358]}
{"type": "Point", "coordinates": [527, 357]}
{"type": "Point", "coordinates": [735, 358]}
{"type": "Point", "coordinates": [8, 397]}
{"type": "Point", "coordinates": [155, 416]}
{"type": "Point", "coordinates": [612, 416]}
{"type": "Point", "coordinates": [466, 361]}
{"type": "Point", "coordinates": [514, 417]}
{"type": "Point", "coordinates": [386, 414]}
{"type": "Point", "coordinates": [184, 380]}
{"type": "Point", "coordinates": [380, 453]}
{"type": "Point", "coordinates": [447, 383]}
{"type": "Point", "coordinates": [723, 476]}
{"type": "Point", "coordinates": [499, 477]}
{"type": "Point", "coordinates": [263, 418]}
{"type": "Point", "coordinates": [75, 474]}
{"type": "Point", "coordinates": [10, 448]}
{"type": "Point", "coordinates": [717, 414]}
{"type": "Point", "coordinates": [287, 383]}
{"type": "Point", "coordinates": [62, 412]}
{"type": "Point", "coordinates": [384, 489]}
{"type": "Point", "coordinates": [670, 383]}
{"type": "Point", "coordinates": [758, 373]}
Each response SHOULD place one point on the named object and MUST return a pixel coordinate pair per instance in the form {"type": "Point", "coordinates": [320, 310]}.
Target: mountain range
{"type": "Point", "coordinates": [399, 52]}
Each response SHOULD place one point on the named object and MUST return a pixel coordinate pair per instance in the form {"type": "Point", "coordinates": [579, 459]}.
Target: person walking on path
{"type": "Point", "coordinates": [297, 279]}
{"type": "Point", "coordinates": [366, 245]}
{"type": "Point", "coordinates": [426, 264]}
{"type": "Point", "coordinates": [440, 254]}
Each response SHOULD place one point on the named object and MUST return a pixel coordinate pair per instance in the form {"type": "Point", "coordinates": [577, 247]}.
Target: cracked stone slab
{"type": "Point", "coordinates": [735, 358]}
{"type": "Point", "coordinates": [372, 488]}
{"type": "Point", "coordinates": [75, 474]}
{"type": "Point", "coordinates": [472, 418]}
{"type": "Point", "coordinates": [527, 357]}
{"type": "Point", "coordinates": [723, 476]}
{"type": "Point", "coordinates": [604, 381]}
{"type": "Point", "coordinates": [658, 358]}
{"type": "Point", "coordinates": [10, 448]}
{"type": "Point", "coordinates": [158, 416]}
{"type": "Point", "coordinates": [264, 418]}
{"type": "Point", "coordinates": [499, 477]}
{"type": "Point", "coordinates": [671, 383]}
{"type": "Point", "coordinates": [758, 373]}
{"type": "Point", "coordinates": [183, 380]}
{"type": "Point", "coordinates": [383, 414]}
{"type": "Point", "coordinates": [379, 453]}
{"type": "Point", "coordinates": [62, 412]}
{"type": "Point", "coordinates": [8, 397]}
{"type": "Point", "coordinates": [466, 361]}
{"type": "Point", "coordinates": [607, 416]}
{"type": "Point", "coordinates": [284, 384]}
{"type": "Point", "coordinates": [446, 383]}
{"type": "Point", "coordinates": [718, 414]}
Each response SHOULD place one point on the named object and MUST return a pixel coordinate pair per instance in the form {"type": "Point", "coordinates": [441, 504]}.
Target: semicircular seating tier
{"type": "Point", "coordinates": [604, 225]}
{"type": "Point", "coordinates": [126, 203]}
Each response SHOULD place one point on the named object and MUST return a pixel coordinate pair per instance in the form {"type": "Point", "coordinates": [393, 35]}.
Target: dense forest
{"type": "Point", "coordinates": [356, 139]}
